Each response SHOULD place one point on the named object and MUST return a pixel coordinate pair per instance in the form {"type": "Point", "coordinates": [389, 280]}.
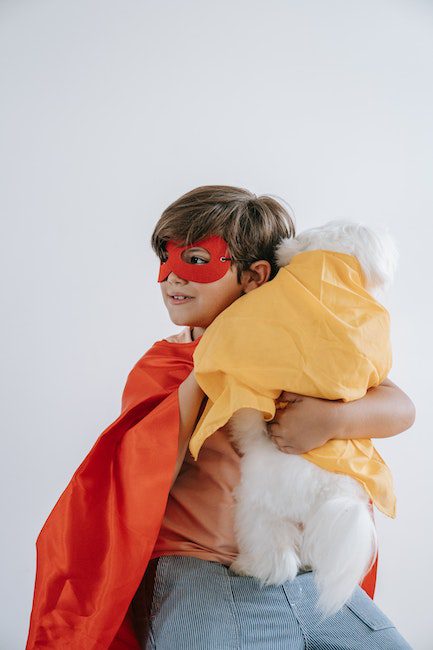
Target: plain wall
{"type": "Point", "coordinates": [109, 111]}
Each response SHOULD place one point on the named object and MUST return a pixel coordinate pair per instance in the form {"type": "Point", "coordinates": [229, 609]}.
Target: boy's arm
{"type": "Point", "coordinates": [384, 411]}
{"type": "Point", "coordinates": [190, 400]}
{"type": "Point", "coordinates": [309, 422]}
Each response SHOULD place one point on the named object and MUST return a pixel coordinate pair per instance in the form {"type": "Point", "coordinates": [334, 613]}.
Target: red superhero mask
{"type": "Point", "coordinates": [212, 270]}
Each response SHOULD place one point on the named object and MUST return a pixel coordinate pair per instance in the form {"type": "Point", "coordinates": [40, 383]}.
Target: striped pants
{"type": "Point", "coordinates": [196, 604]}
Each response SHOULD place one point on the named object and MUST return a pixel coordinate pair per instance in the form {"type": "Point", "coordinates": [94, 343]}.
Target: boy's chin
{"type": "Point", "coordinates": [179, 320]}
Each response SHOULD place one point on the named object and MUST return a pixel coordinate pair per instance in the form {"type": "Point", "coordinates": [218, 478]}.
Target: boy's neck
{"type": "Point", "coordinates": [196, 332]}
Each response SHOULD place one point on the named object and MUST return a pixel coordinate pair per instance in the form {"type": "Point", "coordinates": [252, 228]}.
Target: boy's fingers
{"type": "Point", "coordinates": [271, 427]}
{"type": "Point", "coordinates": [290, 397]}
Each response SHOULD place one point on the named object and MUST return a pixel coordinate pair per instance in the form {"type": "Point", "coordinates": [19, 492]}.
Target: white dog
{"type": "Point", "coordinates": [290, 513]}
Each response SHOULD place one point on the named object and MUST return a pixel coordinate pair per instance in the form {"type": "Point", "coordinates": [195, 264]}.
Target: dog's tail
{"type": "Point", "coordinates": [375, 249]}
{"type": "Point", "coordinates": [340, 545]}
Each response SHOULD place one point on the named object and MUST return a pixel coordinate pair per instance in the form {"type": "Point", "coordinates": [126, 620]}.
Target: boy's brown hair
{"type": "Point", "coordinates": [251, 225]}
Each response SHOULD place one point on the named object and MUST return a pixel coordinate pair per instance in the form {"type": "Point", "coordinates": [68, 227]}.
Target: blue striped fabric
{"type": "Point", "coordinates": [202, 605]}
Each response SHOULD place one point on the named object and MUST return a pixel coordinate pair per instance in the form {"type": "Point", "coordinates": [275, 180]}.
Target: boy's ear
{"type": "Point", "coordinates": [256, 275]}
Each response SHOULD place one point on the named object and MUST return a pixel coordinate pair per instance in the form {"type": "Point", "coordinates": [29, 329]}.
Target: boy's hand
{"type": "Point", "coordinates": [304, 424]}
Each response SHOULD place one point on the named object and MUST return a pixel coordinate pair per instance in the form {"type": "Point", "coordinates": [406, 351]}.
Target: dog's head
{"type": "Point", "coordinates": [375, 249]}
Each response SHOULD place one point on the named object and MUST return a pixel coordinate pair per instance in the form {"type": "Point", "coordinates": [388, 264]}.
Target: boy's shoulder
{"type": "Point", "coordinates": [158, 368]}
{"type": "Point", "coordinates": [181, 337]}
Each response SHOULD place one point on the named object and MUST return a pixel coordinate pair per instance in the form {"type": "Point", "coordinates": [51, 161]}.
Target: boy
{"type": "Point", "coordinates": [139, 504]}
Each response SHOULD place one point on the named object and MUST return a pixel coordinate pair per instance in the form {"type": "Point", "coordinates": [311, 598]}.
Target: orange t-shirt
{"type": "Point", "coordinates": [199, 517]}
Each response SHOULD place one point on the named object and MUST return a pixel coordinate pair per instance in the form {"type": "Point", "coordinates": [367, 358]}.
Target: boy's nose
{"type": "Point", "coordinates": [172, 277]}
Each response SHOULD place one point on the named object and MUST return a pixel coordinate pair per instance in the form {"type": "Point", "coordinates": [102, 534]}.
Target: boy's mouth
{"type": "Point", "coordinates": [178, 299]}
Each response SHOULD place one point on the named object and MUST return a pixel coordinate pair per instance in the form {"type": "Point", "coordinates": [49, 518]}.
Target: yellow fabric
{"type": "Point", "coordinates": [312, 330]}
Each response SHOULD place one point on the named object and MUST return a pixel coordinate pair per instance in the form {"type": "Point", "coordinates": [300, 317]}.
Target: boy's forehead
{"type": "Point", "coordinates": [208, 243]}
{"type": "Point", "coordinates": [187, 247]}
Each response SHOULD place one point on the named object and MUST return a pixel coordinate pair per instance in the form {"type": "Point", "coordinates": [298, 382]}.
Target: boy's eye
{"type": "Point", "coordinates": [196, 257]}
{"type": "Point", "coordinates": [192, 258]}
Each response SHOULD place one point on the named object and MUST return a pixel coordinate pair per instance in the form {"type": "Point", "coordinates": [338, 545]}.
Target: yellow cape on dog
{"type": "Point", "coordinates": [313, 330]}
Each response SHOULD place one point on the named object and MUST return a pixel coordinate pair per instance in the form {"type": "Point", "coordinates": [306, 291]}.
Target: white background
{"type": "Point", "coordinates": [110, 110]}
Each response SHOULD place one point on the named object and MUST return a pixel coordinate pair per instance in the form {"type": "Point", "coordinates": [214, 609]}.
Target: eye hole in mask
{"type": "Point", "coordinates": [189, 256]}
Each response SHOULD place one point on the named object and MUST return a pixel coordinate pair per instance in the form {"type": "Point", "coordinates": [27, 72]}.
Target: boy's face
{"type": "Point", "coordinates": [205, 299]}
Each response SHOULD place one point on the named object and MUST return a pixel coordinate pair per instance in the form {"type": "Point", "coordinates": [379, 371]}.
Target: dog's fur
{"type": "Point", "coordinates": [290, 513]}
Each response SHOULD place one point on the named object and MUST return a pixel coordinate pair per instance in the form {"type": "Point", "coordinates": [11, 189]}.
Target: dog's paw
{"type": "Point", "coordinates": [273, 569]}
{"type": "Point", "coordinates": [249, 565]}
{"type": "Point", "coordinates": [304, 556]}
{"type": "Point", "coordinates": [286, 565]}
{"type": "Point", "coordinates": [241, 565]}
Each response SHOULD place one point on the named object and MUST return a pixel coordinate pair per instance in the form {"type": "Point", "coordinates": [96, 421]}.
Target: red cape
{"type": "Point", "coordinates": [94, 548]}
